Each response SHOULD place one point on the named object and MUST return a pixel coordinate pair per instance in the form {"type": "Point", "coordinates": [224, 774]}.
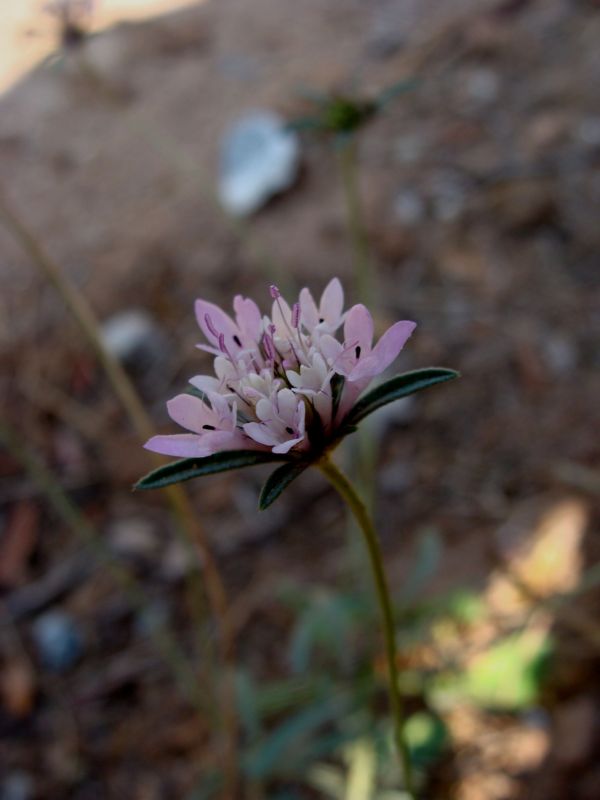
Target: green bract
{"type": "Point", "coordinates": [295, 463]}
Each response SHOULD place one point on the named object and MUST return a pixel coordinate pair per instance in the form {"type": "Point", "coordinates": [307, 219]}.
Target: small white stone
{"type": "Point", "coordinates": [131, 335]}
{"type": "Point", "coordinates": [409, 207]}
{"type": "Point", "coordinates": [259, 158]}
{"type": "Point", "coordinates": [482, 85]}
{"type": "Point", "coordinates": [588, 131]}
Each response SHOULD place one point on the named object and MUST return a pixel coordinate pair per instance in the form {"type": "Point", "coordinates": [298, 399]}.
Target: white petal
{"type": "Point", "coordinates": [332, 302]}
{"type": "Point", "coordinates": [287, 403]}
{"type": "Point", "coordinates": [285, 447]}
{"type": "Point", "coordinates": [206, 383]}
{"type": "Point", "coordinates": [308, 307]}
{"type": "Point", "coordinates": [260, 433]}
{"type": "Point", "coordinates": [264, 410]}
{"type": "Point", "coordinates": [330, 348]}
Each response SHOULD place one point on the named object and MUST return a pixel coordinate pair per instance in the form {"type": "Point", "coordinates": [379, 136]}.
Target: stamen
{"type": "Point", "coordinates": [289, 430]}
{"type": "Point", "coordinates": [236, 339]}
{"type": "Point", "coordinates": [295, 315]}
{"type": "Point", "coordinates": [223, 348]}
{"type": "Point", "coordinates": [357, 351]}
{"type": "Point", "coordinates": [269, 349]}
{"type": "Point", "coordinates": [210, 326]}
{"type": "Point", "coordinates": [291, 344]}
{"type": "Point", "coordinates": [208, 428]}
{"type": "Point", "coordinates": [275, 293]}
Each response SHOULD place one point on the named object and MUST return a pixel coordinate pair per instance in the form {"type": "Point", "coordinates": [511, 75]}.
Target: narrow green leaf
{"type": "Point", "coordinates": [195, 392]}
{"type": "Point", "coordinates": [288, 743]}
{"type": "Point", "coordinates": [277, 482]}
{"type": "Point", "coordinates": [395, 388]}
{"type": "Point", "coordinates": [391, 92]}
{"type": "Point", "coordinates": [429, 551]}
{"type": "Point", "coordinates": [187, 468]}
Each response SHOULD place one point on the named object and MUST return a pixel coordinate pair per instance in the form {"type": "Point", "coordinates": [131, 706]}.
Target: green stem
{"type": "Point", "coordinates": [346, 490]}
{"type": "Point", "coordinates": [363, 272]}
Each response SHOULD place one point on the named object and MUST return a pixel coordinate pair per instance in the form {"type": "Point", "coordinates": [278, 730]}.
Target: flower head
{"type": "Point", "coordinates": [282, 382]}
{"type": "Point", "coordinates": [286, 387]}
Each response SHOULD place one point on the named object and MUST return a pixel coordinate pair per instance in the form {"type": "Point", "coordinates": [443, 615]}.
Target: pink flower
{"type": "Point", "coordinates": [214, 427]}
{"type": "Point", "coordinates": [356, 359]}
{"type": "Point", "coordinates": [282, 383]}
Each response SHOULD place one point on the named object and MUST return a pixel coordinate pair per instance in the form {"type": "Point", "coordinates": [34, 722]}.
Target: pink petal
{"type": "Point", "coordinates": [190, 412]}
{"type": "Point", "coordinates": [220, 406]}
{"type": "Point", "coordinates": [350, 394]}
{"type": "Point", "coordinates": [248, 317]}
{"type": "Point", "coordinates": [221, 321]}
{"type": "Point", "coordinates": [185, 445]}
{"type": "Point", "coordinates": [358, 328]}
{"type": "Point", "coordinates": [214, 441]}
{"type": "Point", "coordinates": [332, 301]}
{"type": "Point", "coordinates": [385, 351]}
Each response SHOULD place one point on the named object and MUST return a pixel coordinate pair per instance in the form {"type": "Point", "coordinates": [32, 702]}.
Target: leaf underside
{"type": "Point", "coordinates": [278, 481]}
{"type": "Point", "coordinates": [187, 468]}
{"type": "Point", "coordinates": [395, 388]}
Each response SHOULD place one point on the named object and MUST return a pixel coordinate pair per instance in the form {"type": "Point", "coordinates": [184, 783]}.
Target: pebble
{"type": "Point", "coordinates": [134, 338]}
{"type": "Point", "coordinates": [259, 159]}
{"type": "Point", "coordinates": [448, 196]}
{"type": "Point", "coordinates": [176, 562]}
{"type": "Point", "coordinates": [410, 148]}
{"type": "Point", "coordinates": [588, 132]}
{"type": "Point", "coordinates": [58, 641]}
{"type": "Point", "coordinates": [154, 618]}
{"type": "Point", "coordinates": [16, 786]}
{"type": "Point", "coordinates": [409, 207]}
{"type": "Point", "coordinates": [560, 354]}
{"type": "Point", "coordinates": [482, 86]}
{"type": "Point", "coordinates": [134, 538]}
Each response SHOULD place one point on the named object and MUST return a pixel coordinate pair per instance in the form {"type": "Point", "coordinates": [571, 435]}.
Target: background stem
{"type": "Point", "coordinates": [178, 499]}
{"type": "Point", "coordinates": [364, 276]}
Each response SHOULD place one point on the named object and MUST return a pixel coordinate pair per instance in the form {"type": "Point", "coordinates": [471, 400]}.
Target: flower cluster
{"type": "Point", "coordinates": [282, 383]}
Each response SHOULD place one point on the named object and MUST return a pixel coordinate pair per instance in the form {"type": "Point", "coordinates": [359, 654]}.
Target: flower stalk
{"type": "Point", "coordinates": [288, 388]}
{"type": "Point", "coordinates": [348, 493]}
